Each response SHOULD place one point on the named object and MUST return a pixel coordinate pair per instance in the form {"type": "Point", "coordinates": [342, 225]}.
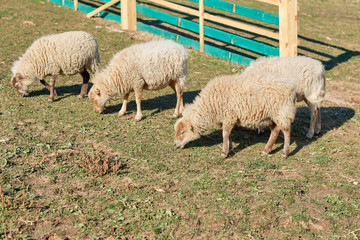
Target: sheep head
{"type": "Point", "coordinates": [20, 83]}
{"type": "Point", "coordinates": [184, 132]}
{"type": "Point", "coordinates": [98, 98]}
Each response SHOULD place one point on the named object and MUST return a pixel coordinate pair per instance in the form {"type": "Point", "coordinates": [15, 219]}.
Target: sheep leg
{"type": "Point", "coordinates": [226, 140]}
{"type": "Point", "coordinates": [124, 104]}
{"type": "Point", "coordinates": [313, 116]}
{"type": "Point", "coordinates": [179, 98]}
{"type": "Point", "coordinates": [138, 94]}
{"type": "Point", "coordinates": [52, 88]}
{"type": "Point", "coordinates": [86, 77]}
{"type": "Point", "coordinates": [286, 143]}
{"type": "Point", "coordinates": [318, 119]}
{"type": "Point", "coordinates": [273, 136]}
{"type": "Point", "coordinates": [47, 86]}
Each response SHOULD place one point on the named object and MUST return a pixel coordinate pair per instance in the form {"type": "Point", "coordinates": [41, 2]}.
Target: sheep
{"type": "Point", "coordinates": [151, 65]}
{"type": "Point", "coordinates": [309, 77]}
{"type": "Point", "coordinates": [66, 53]}
{"type": "Point", "coordinates": [250, 99]}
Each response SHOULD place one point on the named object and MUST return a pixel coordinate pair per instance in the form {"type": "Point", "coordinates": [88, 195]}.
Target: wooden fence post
{"type": "Point", "coordinates": [288, 28]}
{"type": "Point", "coordinates": [128, 14]}
{"type": "Point", "coordinates": [201, 24]}
{"type": "Point", "coordinates": [76, 5]}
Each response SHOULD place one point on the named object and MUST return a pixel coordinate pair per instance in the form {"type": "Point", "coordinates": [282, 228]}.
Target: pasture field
{"type": "Point", "coordinates": [67, 172]}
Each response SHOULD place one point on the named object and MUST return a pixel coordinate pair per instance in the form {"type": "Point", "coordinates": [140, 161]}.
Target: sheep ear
{"type": "Point", "coordinates": [18, 75]}
{"type": "Point", "coordinates": [15, 79]}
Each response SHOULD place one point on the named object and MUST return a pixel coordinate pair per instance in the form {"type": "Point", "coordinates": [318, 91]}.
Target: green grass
{"type": "Point", "coordinates": [54, 182]}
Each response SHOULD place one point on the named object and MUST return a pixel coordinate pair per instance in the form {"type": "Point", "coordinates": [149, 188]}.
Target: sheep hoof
{"type": "Point", "coordinates": [81, 96]}
{"type": "Point", "coordinates": [309, 135]}
{"type": "Point", "coordinates": [138, 118]}
{"type": "Point", "coordinates": [284, 155]}
{"type": "Point", "coordinates": [223, 155]}
{"type": "Point", "coordinates": [50, 100]}
{"type": "Point", "coordinates": [175, 115]}
{"type": "Point", "coordinates": [121, 114]}
{"type": "Point", "coordinates": [264, 153]}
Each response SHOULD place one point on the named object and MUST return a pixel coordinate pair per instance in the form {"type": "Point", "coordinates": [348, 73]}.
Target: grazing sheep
{"type": "Point", "coordinates": [250, 99]}
{"type": "Point", "coordinates": [66, 53]}
{"type": "Point", "coordinates": [152, 65]}
{"type": "Point", "coordinates": [309, 77]}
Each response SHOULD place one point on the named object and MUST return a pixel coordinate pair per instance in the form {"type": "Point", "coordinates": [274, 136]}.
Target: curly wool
{"type": "Point", "coordinates": [306, 73]}
{"type": "Point", "coordinates": [59, 54]}
{"type": "Point", "coordinates": [245, 99]}
{"type": "Point", "coordinates": [150, 65]}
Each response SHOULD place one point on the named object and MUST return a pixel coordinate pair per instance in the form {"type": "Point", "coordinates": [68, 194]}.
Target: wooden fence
{"type": "Point", "coordinates": [285, 22]}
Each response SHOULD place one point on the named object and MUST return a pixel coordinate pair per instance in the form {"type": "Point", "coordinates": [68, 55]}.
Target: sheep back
{"type": "Point", "coordinates": [65, 53]}
{"type": "Point", "coordinates": [246, 99]}
{"type": "Point", "coordinates": [306, 73]}
{"type": "Point", "coordinates": [150, 65]}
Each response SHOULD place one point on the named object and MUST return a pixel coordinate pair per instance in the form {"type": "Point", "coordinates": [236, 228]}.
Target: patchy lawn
{"type": "Point", "coordinates": [69, 173]}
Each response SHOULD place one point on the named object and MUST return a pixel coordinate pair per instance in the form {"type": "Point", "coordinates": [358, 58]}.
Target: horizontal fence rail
{"type": "Point", "coordinates": [241, 10]}
{"type": "Point", "coordinates": [217, 19]}
{"type": "Point", "coordinates": [199, 36]}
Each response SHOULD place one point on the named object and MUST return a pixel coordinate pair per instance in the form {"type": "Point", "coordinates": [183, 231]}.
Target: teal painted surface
{"type": "Point", "coordinates": [59, 2]}
{"type": "Point", "coordinates": [157, 14]}
{"type": "Point", "coordinates": [69, 4]}
{"type": "Point", "coordinates": [85, 9]}
{"type": "Point", "coordinates": [242, 10]}
{"type": "Point", "coordinates": [220, 53]}
{"type": "Point", "coordinates": [210, 32]}
{"type": "Point", "coordinates": [177, 38]}
{"type": "Point", "coordinates": [165, 17]}
{"type": "Point", "coordinates": [232, 57]}
{"type": "Point", "coordinates": [172, 20]}
{"type": "Point", "coordinates": [241, 41]}
{"type": "Point", "coordinates": [257, 14]}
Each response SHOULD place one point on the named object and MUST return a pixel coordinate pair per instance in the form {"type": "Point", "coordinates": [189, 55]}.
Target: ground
{"type": "Point", "coordinates": [67, 172]}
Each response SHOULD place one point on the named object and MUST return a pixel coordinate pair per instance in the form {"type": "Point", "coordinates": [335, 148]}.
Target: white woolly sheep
{"type": "Point", "coordinates": [152, 65]}
{"type": "Point", "coordinates": [250, 99]}
{"type": "Point", "coordinates": [66, 53]}
{"type": "Point", "coordinates": [309, 77]}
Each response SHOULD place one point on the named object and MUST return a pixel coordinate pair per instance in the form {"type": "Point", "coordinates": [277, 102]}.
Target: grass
{"type": "Point", "coordinates": [67, 172]}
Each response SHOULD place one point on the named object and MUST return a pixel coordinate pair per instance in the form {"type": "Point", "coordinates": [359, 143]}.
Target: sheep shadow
{"type": "Point", "coordinates": [332, 118]}
{"type": "Point", "coordinates": [159, 103]}
{"type": "Point", "coordinates": [62, 92]}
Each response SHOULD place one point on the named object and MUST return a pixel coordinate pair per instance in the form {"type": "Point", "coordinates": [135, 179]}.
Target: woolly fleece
{"type": "Point", "coordinates": [151, 65]}
{"type": "Point", "coordinates": [309, 77]}
{"type": "Point", "coordinates": [59, 54]}
{"type": "Point", "coordinates": [250, 99]}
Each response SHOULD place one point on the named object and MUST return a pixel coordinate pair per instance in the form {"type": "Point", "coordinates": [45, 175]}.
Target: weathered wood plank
{"type": "Point", "coordinates": [288, 28]}
{"type": "Point", "coordinates": [103, 7]}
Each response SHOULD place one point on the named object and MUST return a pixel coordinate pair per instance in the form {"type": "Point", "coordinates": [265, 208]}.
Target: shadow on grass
{"type": "Point", "coordinates": [332, 118]}
{"type": "Point", "coordinates": [333, 60]}
{"type": "Point", "coordinates": [159, 103]}
{"type": "Point", "coordinates": [62, 92]}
